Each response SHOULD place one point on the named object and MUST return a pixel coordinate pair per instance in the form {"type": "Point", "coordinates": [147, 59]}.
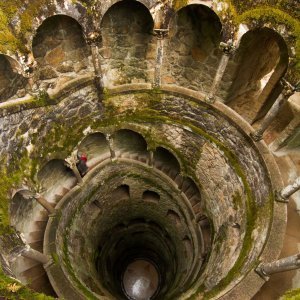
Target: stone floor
{"type": "Point", "coordinates": [281, 282]}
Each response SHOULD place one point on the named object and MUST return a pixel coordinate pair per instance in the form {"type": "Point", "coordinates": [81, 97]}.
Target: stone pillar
{"type": "Point", "coordinates": [41, 200]}
{"type": "Point", "coordinates": [288, 191]}
{"type": "Point", "coordinates": [287, 91]}
{"type": "Point", "coordinates": [28, 65]}
{"type": "Point", "coordinates": [35, 255]}
{"type": "Point", "coordinates": [151, 158]}
{"type": "Point", "coordinates": [12, 245]}
{"type": "Point", "coordinates": [281, 265]}
{"type": "Point", "coordinates": [93, 39]}
{"type": "Point", "coordinates": [160, 35]}
{"type": "Point", "coordinates": [71, 163]}
{"type": "Point", "coordinates": [282, 140]}
{"type": "Point", "coordinates": [227, 49]}
{"type": "Point", "coordinates": [110, 141]}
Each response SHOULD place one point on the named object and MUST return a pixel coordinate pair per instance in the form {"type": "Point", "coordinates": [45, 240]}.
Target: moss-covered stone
{"type": "Point", "coordinates": [292, 295]}
{"type": "Point", "coordinates": [11, 289]}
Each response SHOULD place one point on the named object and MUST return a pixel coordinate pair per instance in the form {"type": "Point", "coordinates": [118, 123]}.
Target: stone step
{"type": "Point", "coordinates": [197, 208]}
{"type": "Point", "coordinates": [178, 180]}
{"type": "Point", "coordinates": [38, 246]}
{"type": "Point", "coordinates": [194, 200]}
{"type": "Point", "coordinates": [40, 225]}
{"type": "Point", "coordinates": [33, 273]}
{"type": "Point", "coordinates": [64, 190]}
{"type": "Point", "coordinates": [24, 263]}
{"type": "Point", "coordinates": [42, 285]}
{"type": "Point", "coordinates": [35, 236]}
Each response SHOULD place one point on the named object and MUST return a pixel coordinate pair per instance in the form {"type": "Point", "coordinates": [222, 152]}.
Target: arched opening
{"type": "Point", "coordinates": [130, 144]}
{"type": "Point", "coordinates": [30, 218]}
{"type": "Point", "coordinates": [56, 179]}
{"type": "Point", "coordinates": [121, 193]}
{"type": "Point", "coordinates": [128, 44]}
{"type": "Point", "coordinates": [206, 231]}
{"type": "Point", "coordinates": [96, 148]}
{"type": "Point", "coordinates": [21, 206]}
{"type": "Point", "coordinates": [150, 196]}
{"type": "Point", "coordinates": [192, 52]}
{"type": "Point", "coordinates": [260, 62]}
{"type": "Point", "coordinates": [60, 49]}
{"type": "Point", "coordinates": [165, 161]}
{"type": "Point", "coordinates": [190, 189]}
{"type": "Point", "coordinates": [11, 83]}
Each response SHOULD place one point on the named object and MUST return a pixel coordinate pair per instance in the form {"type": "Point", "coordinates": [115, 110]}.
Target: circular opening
{"type": "Point", "coordinates": [140, 280]}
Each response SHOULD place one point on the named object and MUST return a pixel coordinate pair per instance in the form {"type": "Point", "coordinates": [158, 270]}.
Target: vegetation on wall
{"type": "Point", "coordinates": [288, 6]}
{"type": "Point", "coordinates": [275, 17]}
{"type": "Point", "coordinates": [292, 295]}
{"type": "Point", "coordinates": [11, 289]}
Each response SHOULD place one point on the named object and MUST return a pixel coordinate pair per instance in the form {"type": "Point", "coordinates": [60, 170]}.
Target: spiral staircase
{"type": "Point", "coordinates": [170, 101]}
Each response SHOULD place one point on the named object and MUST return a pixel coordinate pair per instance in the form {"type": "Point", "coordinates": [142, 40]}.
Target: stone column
{"type": "Point", "coordinates": [151, 158]}
{"type": "Point", "coordinates": [12, 245]}
{"type": "Point", "coordinates": [281, 265]}
{"type": "Point", "coordinates": [227, 49]}
{"type": "Point", "coordinates": [41, 200]}
{"type": "Point", "coordinates": [160, 35]}
{"type": "Point", "coordinates": [285, 135]}
{"type": "Point", "coordinates": [287, 91]}
{"type": "Point", "coordinates": [71, 162]}
{"type": "Point", "coordinates": [288, 191]}
{"type": "Point", "coordinates": [28, 66]}
{"type": "Point", "coordinates": [93, 40]}
{"type": "Point", "coordinates": [35, 255]}
{"type": "Point", "coordinates": [110, 141]}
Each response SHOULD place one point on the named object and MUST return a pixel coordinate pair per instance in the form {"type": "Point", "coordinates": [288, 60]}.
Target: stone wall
{"type": "Point", "coordinates": [60, 51]}
{"type": "Point", "coordinates": [129, 47]}
{"type": "Point", "coordinates": [191, 54]}
{"type": "Point", "coordinates": [11, 83]}
{"type": "Point", "coordinates": [256, 67]}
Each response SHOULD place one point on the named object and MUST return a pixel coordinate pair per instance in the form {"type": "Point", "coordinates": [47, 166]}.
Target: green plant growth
{"type": "Point", "coordinates": [7, 39]}
{"type": "Point", "coordinates": [11, 289]}
{"type": "Point", "coordinates": [292, 295]}
{"type": "Point", "coordinates": [275, 16]}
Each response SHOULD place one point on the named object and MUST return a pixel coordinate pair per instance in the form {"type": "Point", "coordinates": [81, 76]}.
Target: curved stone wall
{"type": "Point", "coordinates": [173, 177]}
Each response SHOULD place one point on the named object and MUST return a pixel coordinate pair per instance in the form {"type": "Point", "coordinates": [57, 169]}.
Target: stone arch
{"type": "Point", "coordinates": [96, 147]}
{"type": "Point", "coordinates": [261, 60]}
{"type": "Point", "coordinates": [59, 48]}
{"type": "Point", "coordinates": [20, 207]}
{"type": "Point", "coordinates": [128, 44]}
{"type": "Point", "coordinates": [122, 192]}
{"type": "Point", "coordinates": [167, 162]}
{"type": "Point", "coordinates": [129, 141]}
{"type": "Point", "coordinates": [151, 196]}
{"type": "Point", "coordinates": [108, 4]}
{"type": "Point", "coordinates": [207, 233]}
{"type": "Point", "coordinates": [192, 51]}
{"type": "Point", "coordinates": [55, 179]}
{"type": "Point", "coordinates": [12, 83]}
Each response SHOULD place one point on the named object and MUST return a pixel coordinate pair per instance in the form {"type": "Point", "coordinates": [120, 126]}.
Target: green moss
{"type": "Point", "coordinates": [8, 42]}
{"type": "Point", "coordinates": [55, 258]}
{"type": "Point", "coordinates": [11, 178]}
{"type": "Point", "coordinates": [237, 200]}
{"type": "Point", "coordinates": [32, 10]}
{"type": "Point", "coordinates": [289, 6]}
{"type": "Point", "coordinates": [149, 115]}
{"type": "Point", "coordinates": [292, 295]}
{"type": "Point", "coordinates": [178, 4]}
{"type": "Point", "coordinates": [11, 289]}
{"type": "Point", "coordinates": [276, 17]}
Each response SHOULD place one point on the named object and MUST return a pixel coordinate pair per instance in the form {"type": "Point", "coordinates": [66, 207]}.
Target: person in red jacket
{"type": "Point", "coordinates": [81, 164]}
